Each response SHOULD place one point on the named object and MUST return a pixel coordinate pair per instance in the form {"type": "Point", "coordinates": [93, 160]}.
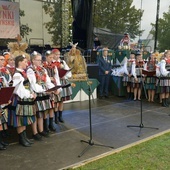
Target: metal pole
{"type": "Point", "coordinates": [140, 20]}
{"type": "Point", "coordinates": [156, 25]}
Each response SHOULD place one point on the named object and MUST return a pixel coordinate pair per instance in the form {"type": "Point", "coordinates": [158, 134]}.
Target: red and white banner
{"type": "Point", "coordinates": [9, 19]}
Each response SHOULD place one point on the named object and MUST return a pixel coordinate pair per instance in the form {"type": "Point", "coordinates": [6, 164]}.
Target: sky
{"type": "Point", "coordinates": [149, 15]}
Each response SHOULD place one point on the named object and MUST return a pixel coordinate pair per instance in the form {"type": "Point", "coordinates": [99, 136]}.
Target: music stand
{"type": "Point", "coordinates": [141, 125]}
{"type": "Point", "coordinates": [90, 142]}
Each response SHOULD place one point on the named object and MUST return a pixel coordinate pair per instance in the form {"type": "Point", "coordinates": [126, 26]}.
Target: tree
{"type": "Point", "coordinates": [119, 16]}
{"type": "Point", "coordinates": [163, 32]}
{"type": "Point", "coordinates": [59, 26]}
{"type": "Point", "coordinates": [54, 26]}
{"type": "Point", "coordinates": [24, 28]}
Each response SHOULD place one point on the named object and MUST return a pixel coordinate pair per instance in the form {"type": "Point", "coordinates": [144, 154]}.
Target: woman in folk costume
{"type": "Point", "coordinates": [10, 64]}
{"type": "Point", "coordinates": [24, 96]}
{"type": "Point", "coordinates": [52, 72]}
{"type": "Point", "coordinates": [129, 70]}
{"type": "Point", "coordinates": [5, 78]}
{"type": "Point", "coordinates": [66, 92]}
{"type": "Point", "coordinates": [164, 79]}
{"type": "Point", "coordinates": [40, 82]}
{"type": "Point", "coordinates": [150, 80]}
{"type": "Point", "coordinates": [137, 79]}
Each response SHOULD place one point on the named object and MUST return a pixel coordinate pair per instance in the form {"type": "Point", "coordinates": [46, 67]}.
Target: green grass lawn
{"type": "Point", "coordinates": [151, 155]}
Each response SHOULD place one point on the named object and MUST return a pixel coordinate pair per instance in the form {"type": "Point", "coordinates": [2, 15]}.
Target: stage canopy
{"type": "Point", "coordinates": [108, 38]}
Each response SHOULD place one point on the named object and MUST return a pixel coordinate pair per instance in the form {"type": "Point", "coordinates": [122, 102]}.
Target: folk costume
{"type": "Point", "coordinates": [150, 80]}
{"type": "Point", "coordinates": [25, 105]}
{"type": "Point", "coordinates": [66, 92]}
{"type": "Point", "coordinates": [5, 78]}
{"type": "Point", "coordinates": [163, 82]}
{"type": "Point", "coordinates": [137, 79]}
{"type": "Point", "coordinates": [11, 69]}
{"type": "Point", "coordinates": [40, 82]}
{"type": "Point", "coordinates": [52, 72]}
{"type": "Point", "coordinates": [129, 72]}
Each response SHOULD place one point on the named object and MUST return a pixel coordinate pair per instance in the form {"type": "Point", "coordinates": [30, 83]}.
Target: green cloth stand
{"type": "Point", "coordinates": [121, 54]}
{"type": "Point", "coordinates": [83, 85]}
{"type": "Point", "coordinates": [117, 86]}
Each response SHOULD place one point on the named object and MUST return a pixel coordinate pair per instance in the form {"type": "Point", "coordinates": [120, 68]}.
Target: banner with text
{"type": "Point", "coordinates": [9, 19]}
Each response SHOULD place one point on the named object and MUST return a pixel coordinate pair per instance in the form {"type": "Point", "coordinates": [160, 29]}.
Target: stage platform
{"type": "Point", "coordinates": [110, 118]}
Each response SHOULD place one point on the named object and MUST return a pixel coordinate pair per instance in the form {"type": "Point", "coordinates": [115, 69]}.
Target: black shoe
{"type": "Point", "coordinates": [37, 137]}
{"type": "Point", "coordinates": [52, 128]}
{"type": "Point", "coordinates": [56, 118]}
{"type": "Point", "coordinates": [51, 125]}
{"type": "Point", "coordinates": [100, 97]}
{"type": "Point", "coordinates": [4, 143]}
{"type": "Point", "coordinates": [56, 121]}
{"type": "Point", "coordinates": [45, 134]}
{"type": "Point", "coordinates": [23, 141]}
{"type": "Point", "coordinates": [61, 119]}
{"type": "Point", "coordinates": [25, 136]}
{"type": "Point", "coordinates": [2, 147]}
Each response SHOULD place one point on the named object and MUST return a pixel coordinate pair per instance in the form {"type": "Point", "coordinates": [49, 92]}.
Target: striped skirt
{"type": "Point", "coordinates": [20, 114]}
{"type": "Point", "coordinates": [137, 84]}
{"type": "Point", "coordinates": [126, 80]}
{"type": "Point", "coordinates": [163, 85]}
{"type": "Point", "coordinates": [3, 119]}
{"type": "Point", "coordinates": [150, 83]}
{"type": "Point", "coordinates": [66, 92]}
{"type": "Point", "coordinates": [42, 102]}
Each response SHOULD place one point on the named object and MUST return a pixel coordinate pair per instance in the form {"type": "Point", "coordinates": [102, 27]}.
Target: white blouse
{"type": "Point", "coordinates": [37, 88]}
{"type": "Point", "coordinates": [20, 90]}
{"type": "Point", "coordinates": [163, 70]}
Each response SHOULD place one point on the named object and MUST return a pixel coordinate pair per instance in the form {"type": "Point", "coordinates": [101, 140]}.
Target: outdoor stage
{"type": "Point", "coordinates": [109, 125]}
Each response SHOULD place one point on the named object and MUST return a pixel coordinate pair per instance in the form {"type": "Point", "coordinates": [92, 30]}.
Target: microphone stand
{"type": "Point", "coordinates": [141, 125]}
{"type": "Point", "coordinates": [90, 142]}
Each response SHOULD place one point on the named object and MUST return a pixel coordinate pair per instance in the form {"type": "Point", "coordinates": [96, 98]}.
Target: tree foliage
{"type": "Point", "coordinates": [163, 32]}
{"type": "Point", "coordinates": [118, 15]}
{"type": "Point", "coordinates": [24, 28]}
{"type": "Point", "coordinates": [54, 27]}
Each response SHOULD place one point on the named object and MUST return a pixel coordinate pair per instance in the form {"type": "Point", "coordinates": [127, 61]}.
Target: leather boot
{"type": "Point", "coordinates": [56, 117]}
{"type": "Point", "coordinates": [166, 102]}
{"type": "Point", "coordinates": [23, 141]}
{"type": "Point", "coordinates": [45, 125]}
{"type": "Point", "coordinates": [1, 141]}
{"type": "Point", "coordinates": [25, 136]}
{"type": "Point", "coordinates": [131, 96]}
{"type": "Point", "coordinates": [128, 96]}
{"type": "Point", "coordinates": [60, 118]}
{"type": "Point", "coordinates": [163, 103]}
{"type": "Point", "coordinates": [51, 125]}
{"type": "Point", "coordinates": [2, 147]}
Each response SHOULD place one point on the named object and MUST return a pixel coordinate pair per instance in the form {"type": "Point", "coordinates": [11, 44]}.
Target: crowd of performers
{"type": "Point", "coordinates": [150, 74]}
{"type": "Point", "coordinates": [31, 103]}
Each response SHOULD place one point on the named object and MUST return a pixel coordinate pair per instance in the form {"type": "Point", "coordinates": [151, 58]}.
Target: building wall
{"type": "Point", "coordinates": [35, 17]}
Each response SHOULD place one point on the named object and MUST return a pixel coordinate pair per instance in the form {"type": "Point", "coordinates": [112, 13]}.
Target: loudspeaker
{"type": "Point", "coordinates": [93, 71]}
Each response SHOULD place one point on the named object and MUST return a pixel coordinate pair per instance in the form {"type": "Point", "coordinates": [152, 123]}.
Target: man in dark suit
{"type": "Point", "coordinates": [105, 66]}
